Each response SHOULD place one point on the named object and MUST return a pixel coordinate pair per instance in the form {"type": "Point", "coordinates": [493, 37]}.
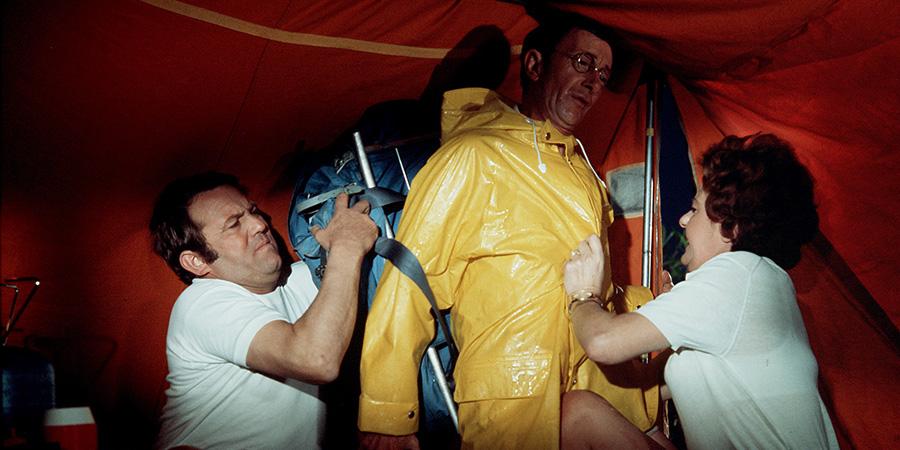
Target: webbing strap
{"type": "Point", "coordinates": [376, 196]}
{"type": "Point", "coordinates": [312, 204]}
{"type": "Point", "coordinates": [402, 258]}
{"type": "Point", "coordinates": [392, 250]}
{"type": "Point", "coordinates": [380, 197]}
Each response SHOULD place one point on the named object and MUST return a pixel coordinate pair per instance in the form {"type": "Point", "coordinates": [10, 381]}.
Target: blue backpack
{"type": "Point", "coordinates": [400, 136]}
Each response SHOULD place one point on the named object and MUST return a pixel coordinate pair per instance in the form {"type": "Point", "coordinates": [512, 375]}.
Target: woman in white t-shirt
{"type": "Point", "coordinates": [741, 373]}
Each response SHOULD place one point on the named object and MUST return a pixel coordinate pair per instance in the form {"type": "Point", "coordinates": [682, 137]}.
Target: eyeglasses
{"type": "Point", "coordinates": [584, 63]}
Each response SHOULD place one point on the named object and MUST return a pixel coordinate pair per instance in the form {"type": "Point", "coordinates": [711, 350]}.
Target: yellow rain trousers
{"type": "Point", "coordinates": [492, 229]}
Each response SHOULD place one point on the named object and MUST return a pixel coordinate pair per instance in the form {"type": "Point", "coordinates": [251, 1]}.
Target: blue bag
{"type": "Point", "coordinates": [415, 136]}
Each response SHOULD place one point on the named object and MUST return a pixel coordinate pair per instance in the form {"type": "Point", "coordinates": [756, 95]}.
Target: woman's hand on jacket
{"type": "Point", "coordinates": [584, 269]}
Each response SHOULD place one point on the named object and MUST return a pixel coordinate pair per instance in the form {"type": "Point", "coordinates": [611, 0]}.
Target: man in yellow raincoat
{"type": "Point", "coordinates": [491, 217]}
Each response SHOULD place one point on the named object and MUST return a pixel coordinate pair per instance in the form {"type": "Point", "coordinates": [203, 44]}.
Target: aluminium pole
{"type": "Point", "coordinates": [649, 164]}
{"type": "Point", "coordinates": [649, 171]}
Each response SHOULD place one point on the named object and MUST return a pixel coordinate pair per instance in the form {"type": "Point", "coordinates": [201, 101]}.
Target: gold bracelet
{"type": "Point", "coordinates": [584, 296]}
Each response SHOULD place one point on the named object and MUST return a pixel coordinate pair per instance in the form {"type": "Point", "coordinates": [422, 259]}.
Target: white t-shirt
{"type": "Point", "coordinates": [214, 400]}
{"type": "Point", "coordinates": [743, 375]}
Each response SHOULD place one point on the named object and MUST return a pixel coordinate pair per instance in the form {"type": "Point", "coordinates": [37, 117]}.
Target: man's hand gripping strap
{"type": "Point", "coordinates": [390, 249]}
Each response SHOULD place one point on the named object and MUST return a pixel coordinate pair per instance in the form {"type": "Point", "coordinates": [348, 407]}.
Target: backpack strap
{"type": "Point", "coordinates": [390, 249]}
{"type": "Point", "coordinates": [376, 196]}
{"type": "Point", "coordinates": [312, 204]}
{"type": "Point", "coordinates": [380, 197]}
{"type": "Point", "coordinates": [402, 258]}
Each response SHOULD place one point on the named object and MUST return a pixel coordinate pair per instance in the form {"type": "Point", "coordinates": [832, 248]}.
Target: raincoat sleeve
{"type": "Point", "coordinates": [438, 223]}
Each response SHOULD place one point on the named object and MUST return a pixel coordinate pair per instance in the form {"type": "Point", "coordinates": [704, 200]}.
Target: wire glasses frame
{"type": "Point", "coordinates": [584, 63]}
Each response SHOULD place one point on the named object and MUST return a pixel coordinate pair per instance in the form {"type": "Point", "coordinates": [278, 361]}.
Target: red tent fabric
{"type": "Point", "coordinates": [105, 101]}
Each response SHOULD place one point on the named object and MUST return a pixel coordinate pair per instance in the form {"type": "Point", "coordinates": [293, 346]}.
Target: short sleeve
{"type": "Point", "coordinates": [712, 297]}
{"type": "Point", "coordinates": [219, 322]}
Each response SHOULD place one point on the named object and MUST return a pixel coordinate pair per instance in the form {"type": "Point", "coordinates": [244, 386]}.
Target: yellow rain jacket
{"type": "Point", "coordinates": [491, 217]}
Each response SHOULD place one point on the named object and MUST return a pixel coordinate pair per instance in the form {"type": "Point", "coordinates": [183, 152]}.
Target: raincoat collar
{"type": "Point", "coordinates": [471, 108]}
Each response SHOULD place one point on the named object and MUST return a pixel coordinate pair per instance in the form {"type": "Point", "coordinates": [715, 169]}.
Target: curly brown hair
{"type": "Point", "coordinates": [762, 195]}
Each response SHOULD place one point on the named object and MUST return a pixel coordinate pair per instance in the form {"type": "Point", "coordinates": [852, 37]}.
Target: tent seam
{"type": "Point", "coordinates": [307, 39]}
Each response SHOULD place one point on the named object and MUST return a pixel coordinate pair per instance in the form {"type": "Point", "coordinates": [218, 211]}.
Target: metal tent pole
{"type": "Point", "coordinates": [649, 164]}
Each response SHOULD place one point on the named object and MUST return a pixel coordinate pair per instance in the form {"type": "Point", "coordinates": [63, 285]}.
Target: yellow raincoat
{"type": "Point", "coordinates": [491, 217]}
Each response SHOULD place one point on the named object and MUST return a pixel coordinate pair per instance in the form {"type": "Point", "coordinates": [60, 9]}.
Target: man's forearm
{"type": "Point", "coordinates": [328, 323]}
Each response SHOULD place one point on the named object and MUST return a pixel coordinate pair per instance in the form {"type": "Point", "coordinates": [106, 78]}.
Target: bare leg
{"type": "Point", "coordinates": [590, 422]}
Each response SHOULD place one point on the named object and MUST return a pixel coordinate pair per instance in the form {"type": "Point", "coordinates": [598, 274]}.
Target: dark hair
{"type": "Point", "coordinates": [762, 195]}
{"type": "Point", "coordinates": [171, 229]}
{"type": "Point", "coordinates": [551, 32]}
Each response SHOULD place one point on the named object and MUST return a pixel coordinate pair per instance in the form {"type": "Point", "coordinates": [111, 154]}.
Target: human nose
{"type": "Point", "coordinates": [685, 218]}
{"type": "Point", "coordinates": [592, 80]}
{"type": "Point", "coordinates": [258, 224]}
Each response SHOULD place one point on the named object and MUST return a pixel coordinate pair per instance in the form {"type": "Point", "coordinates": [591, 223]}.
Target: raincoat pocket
{"type": "Point", "coordinates": [514, 376]}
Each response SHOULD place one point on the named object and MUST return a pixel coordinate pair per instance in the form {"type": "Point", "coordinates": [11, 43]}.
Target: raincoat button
{"type": "Point", "coordinates": [547, 136]}
{"type": "Point", "coordinates": [412, 414]}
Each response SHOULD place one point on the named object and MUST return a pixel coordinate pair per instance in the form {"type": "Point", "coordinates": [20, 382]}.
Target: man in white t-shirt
{"type": "Point", "coordinates": [250, 339]}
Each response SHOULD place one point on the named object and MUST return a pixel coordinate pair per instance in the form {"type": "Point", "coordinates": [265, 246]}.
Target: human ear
{"type": "Point", "coordinates": [533, 64]}
{"type": "Point", "coordinates": [193, 263]}
{"type": "Point", "coordinates": [728, 241]}
{"type": "Point", "coordinates": [735, 231]}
